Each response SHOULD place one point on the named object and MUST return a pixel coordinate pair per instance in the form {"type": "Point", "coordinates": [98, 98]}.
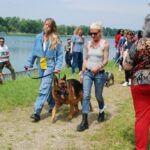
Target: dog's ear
{"type": "Point", "coordinates": [55, 80]}
{"type": "Point", "coordinates": [64, 78]}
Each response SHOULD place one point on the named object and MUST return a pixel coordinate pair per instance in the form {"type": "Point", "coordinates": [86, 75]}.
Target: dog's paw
{"type": "Point", "coordinates": [75, 112]}
{"type": "Point", "coordinates": [53, 120]}
{"type": "Point", "coordinates": [69, 117]}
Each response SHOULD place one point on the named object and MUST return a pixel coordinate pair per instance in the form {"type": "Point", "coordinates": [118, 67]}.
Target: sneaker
{"type": "Point", "coordinates": [101, 117]}
{"type": "Point", "coordinates": [125, 84]}
{"type": "Point", "coordinates": [129, 82]}
{"type": "Point", "coordinates": [120, 67]}
{"type": "Point", "coordinates": [36, 117]}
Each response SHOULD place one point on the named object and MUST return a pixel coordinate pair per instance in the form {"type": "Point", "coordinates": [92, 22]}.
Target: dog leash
{"type": "Point", "coordinates": [40, 77]}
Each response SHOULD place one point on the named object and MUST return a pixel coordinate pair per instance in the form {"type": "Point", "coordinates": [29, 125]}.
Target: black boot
{"type": "Point", "coordinates": [101, 117]}
{"type": "Point", "coordinates": [84, 123]}
{"type": "Point", "coordinates": [36, 117]}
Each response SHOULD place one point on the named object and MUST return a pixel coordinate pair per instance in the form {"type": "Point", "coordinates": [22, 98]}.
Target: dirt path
{"type": "Point", "coordinates": [17, 132]}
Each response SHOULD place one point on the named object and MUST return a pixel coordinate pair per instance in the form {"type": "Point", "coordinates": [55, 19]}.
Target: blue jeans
{"type": "Point", "coordinates": [117, 57]}
{"type": "Point", "coordinates": [45, 91]}
{"type": "Point", "coordinates": [88, 79]}
{"type": "Point", "coordinates": [77, 61]}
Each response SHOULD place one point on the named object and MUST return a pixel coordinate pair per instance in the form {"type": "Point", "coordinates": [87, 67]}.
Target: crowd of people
{"type": "Point", "coordinates": [123, 42]}
{"type": "Point", "coordinates": [132, 55]}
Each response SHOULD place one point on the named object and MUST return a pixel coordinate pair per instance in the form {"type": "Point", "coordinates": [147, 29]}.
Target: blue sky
{"type": "Point", "coordinates": [112, 13]}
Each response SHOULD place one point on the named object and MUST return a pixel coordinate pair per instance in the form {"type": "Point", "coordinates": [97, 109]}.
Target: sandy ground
{"type": "Point", "coordinates": [18, 132]}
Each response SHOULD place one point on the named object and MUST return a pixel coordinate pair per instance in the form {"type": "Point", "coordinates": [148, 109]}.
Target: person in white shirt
{"type": "Point", "coordinates": [4, 58]}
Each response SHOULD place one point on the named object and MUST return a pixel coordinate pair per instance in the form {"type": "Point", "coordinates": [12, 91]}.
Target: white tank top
{"type": "Point", "coordinates": [4, 53]}
{"type": "Point", "coordinates": [95, 55]}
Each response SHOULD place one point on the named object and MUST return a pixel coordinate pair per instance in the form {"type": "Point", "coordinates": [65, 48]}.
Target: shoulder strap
{"type": "Point", "coordinates": [102, 43]}
{"type": "Point", "coordinates": [88, 44]}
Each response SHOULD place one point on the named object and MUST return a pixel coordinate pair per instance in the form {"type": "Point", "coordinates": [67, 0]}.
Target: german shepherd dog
{"type": "Point", "coordinates": [67, 92]}
{"type": "Point", "coordinates": [109, 79]}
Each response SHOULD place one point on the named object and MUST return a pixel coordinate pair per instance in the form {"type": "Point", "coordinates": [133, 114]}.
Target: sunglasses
{"type": "Point", "coordinates": [93, 33]}
{"type": "Point", "coordinates": [2, 41]}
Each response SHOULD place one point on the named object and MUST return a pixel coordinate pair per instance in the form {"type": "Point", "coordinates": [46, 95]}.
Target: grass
{"type": "Point", "coordinates": [23, 91]}
{"type": "Point", "coordinates": [115, 134]}
{"type": "Point", "coordinates": [119, 133]}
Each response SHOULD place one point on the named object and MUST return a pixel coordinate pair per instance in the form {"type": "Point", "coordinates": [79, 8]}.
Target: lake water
{"type": "Point", "coordinates": [20, 48]}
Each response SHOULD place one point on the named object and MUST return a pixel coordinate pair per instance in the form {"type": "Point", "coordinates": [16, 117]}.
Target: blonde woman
{"type": "Point", "coordinates": [77, 49]}
{"type": "Point", "coordinates": [96, 58]}
{"type": "Point", "coordinates": [48, 53]}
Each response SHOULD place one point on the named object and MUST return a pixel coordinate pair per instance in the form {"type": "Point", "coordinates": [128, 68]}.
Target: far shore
{"type": "Point", "coordinates": [34, 34]}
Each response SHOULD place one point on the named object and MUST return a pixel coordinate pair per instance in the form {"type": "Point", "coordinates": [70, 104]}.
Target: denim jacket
{"type": "Point", "coordinates": [77, 43]}
{"type": "Point", "coordinates": [38, 52]}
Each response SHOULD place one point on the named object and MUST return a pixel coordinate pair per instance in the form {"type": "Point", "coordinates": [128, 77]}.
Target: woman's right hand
{"type": "Point", "coordinates": [26, 68]}
{"type": "Point", "coordinates": [81, 79]}
{"type": "Point", "coordinates": [81, 76]}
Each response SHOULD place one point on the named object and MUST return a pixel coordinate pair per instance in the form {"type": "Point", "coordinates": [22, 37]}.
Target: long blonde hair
{"type": "Point", "coordinates": [77, 29]}
{"type": "Point", "coordinates": [53, 35]}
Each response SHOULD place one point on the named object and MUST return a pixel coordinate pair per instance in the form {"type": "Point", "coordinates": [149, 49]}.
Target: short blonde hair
{"type": "Point", "coordinates": [96, 25]}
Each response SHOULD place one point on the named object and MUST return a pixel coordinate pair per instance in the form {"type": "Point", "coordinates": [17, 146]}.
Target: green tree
{"type": "Point", "coordinates": [12, 23]}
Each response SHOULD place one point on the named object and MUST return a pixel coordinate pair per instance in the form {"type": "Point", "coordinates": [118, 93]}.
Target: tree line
{"type": "Point", "coordinates": [16, 24]}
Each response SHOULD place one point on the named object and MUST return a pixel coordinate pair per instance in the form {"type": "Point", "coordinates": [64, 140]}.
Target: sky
{"type": "Point", "coordinates": [127, 14]}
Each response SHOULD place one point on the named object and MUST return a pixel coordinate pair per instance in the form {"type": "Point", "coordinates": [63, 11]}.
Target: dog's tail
{"type": "Point", "coordinates": [78, 87]}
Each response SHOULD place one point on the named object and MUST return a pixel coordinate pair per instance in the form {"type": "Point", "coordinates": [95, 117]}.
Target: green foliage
{"type": "Point", "coordinates": [16, 24]}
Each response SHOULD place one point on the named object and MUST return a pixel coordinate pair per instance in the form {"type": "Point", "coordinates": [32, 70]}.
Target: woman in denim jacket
{"type": "Point", "coordinates": [77, 42]}
{"type": "Point", "coordinates": [48, 53]}
{"type": "Point", "coordinates": [96, 57]}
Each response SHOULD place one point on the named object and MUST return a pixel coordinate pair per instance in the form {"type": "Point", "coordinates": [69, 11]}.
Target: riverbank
{"type": "Point", "coordinates": [17, 132]}
{"type": "Point", "coordinates": [20, 34]}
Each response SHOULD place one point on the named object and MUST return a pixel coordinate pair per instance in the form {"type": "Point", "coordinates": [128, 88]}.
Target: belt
{"type": "Point", "coordinates": [101, 71]}
{"type": "Point", "coordinates": [52, 58]}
